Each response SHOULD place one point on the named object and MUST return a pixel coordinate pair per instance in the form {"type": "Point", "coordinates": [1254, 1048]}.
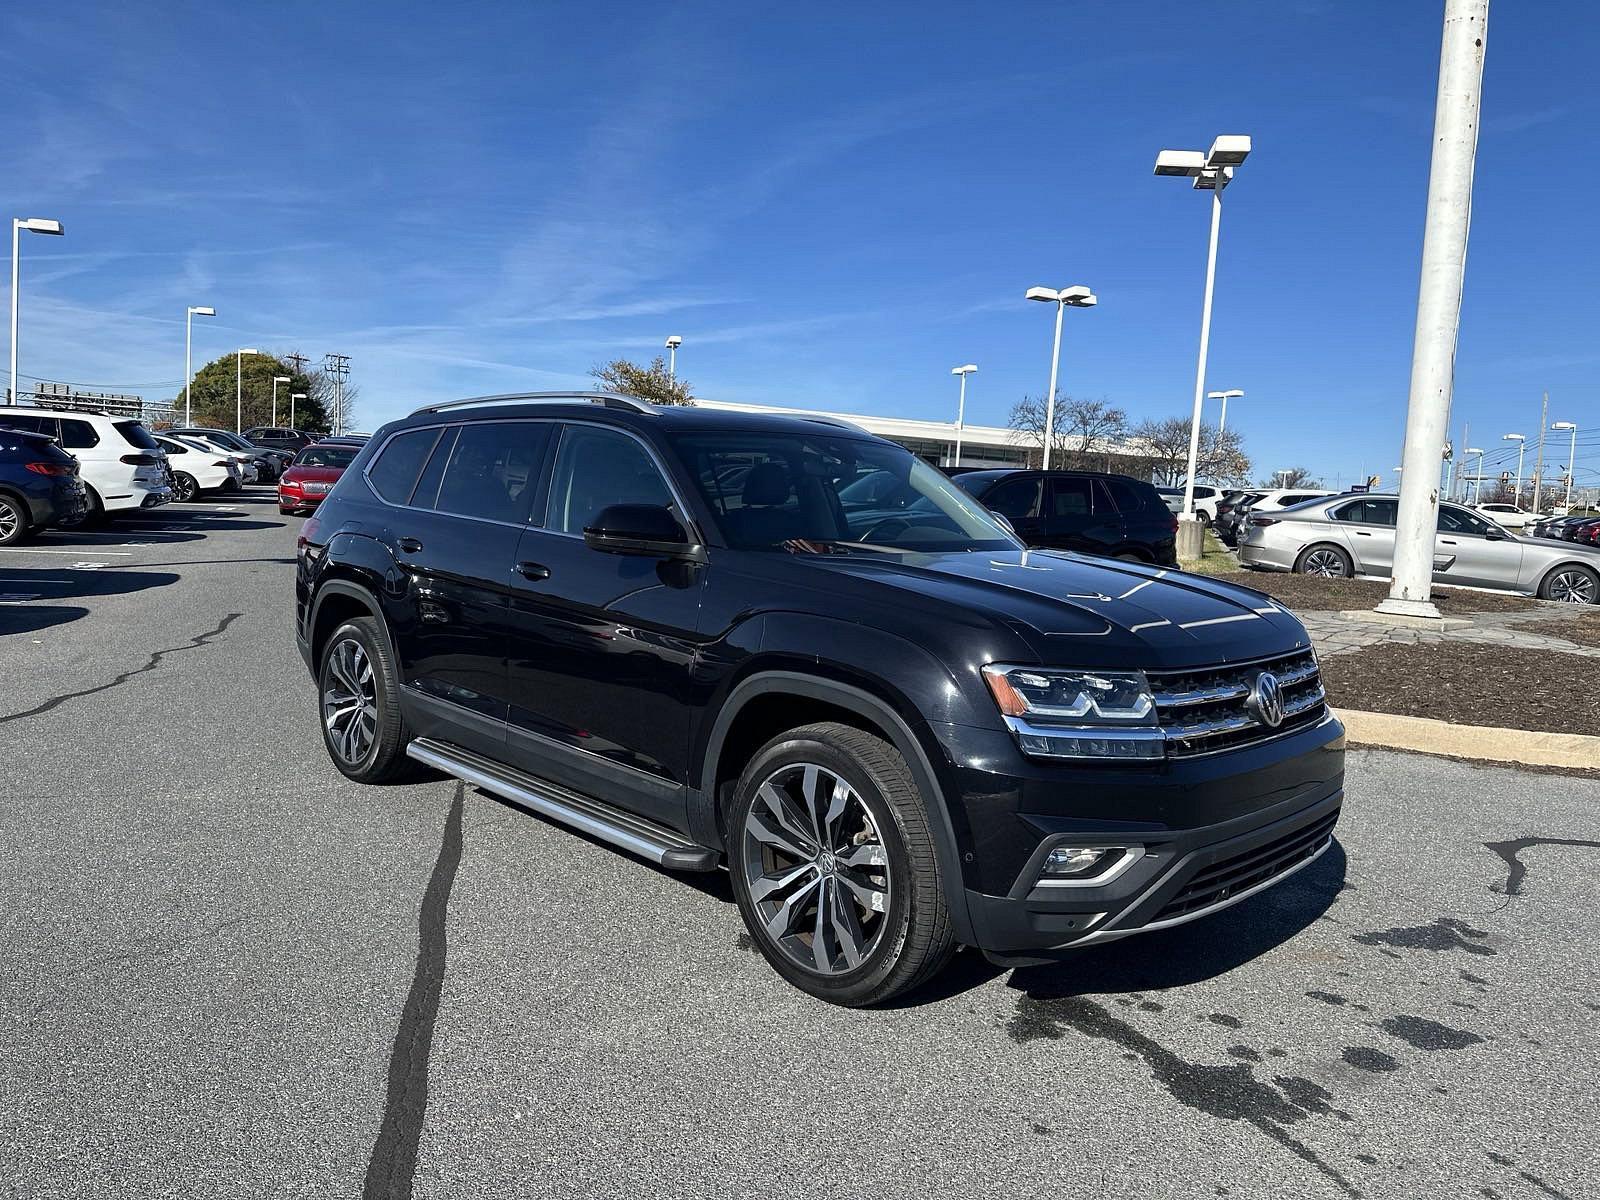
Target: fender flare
{"type": "Point", "coordinates": [881, 714]}
{"type": "Point", "coordinates": [342, 587]}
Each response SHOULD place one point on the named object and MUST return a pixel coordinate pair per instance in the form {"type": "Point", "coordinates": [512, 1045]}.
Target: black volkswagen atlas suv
{"type": "Point", "coordinates": [784, 647]}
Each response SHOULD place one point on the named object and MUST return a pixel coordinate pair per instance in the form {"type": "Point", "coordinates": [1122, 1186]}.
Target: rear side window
{"type": "Point", "coordinates": [133, 433]}
{"type": "Point", "coordinates": [1368, 512]}
{"type": "Point", "coordinates": [31, 423]}
{"type": "Point", "coordinates": [1071, 496]}
{"type": "Point", "coordinates": [1297, 498]}
{"type": "Point", "coordinates": [394, 474]}
{"type": "Point", "coordinates": [598, 467]}
{"type": "Point", "coordinates": [493, 469]}
{"type": "Point", "coordinates": [1128, 498]}
{"type": "Point", "coordinates": [1015, 498]}
{"type": "Point", "coordinates": [80, 435]}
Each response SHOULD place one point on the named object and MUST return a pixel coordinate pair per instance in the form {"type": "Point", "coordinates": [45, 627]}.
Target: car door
{"type": "Point", "coordinates": [1079, 517]}
{"type": "Point", "coordinates": [603, 644]}
{"type": "Point", "coordinates": [1018, 498]}
{"type": "Point", "coordinates": [459, 495]}
{"type": "Point", "coordinates": [1474, 551]}
{"type": "Point", "coordinates": [1369, 529]}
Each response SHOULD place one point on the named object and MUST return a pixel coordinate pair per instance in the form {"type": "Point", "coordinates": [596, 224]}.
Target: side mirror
{"type": "Point", "coordinates": [1496, 535]}
{"type": "Point", "coordinates": [641, 529]}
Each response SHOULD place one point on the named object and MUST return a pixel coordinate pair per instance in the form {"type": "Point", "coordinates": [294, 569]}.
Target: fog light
{"type": "Point", "coordinates": [1075, 860]}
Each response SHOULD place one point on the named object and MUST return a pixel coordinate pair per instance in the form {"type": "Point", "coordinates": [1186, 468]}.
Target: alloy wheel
{"type": "Point", "coordinates": [816, 869]}
{"type": "Point", "coordinates": [10, 522]}
{"type": "Point", "coordinates": [1326, 564]}
{"type": "Point", "coordinates": [350, 702]}
{"type": "Point", "coordinates": [1573, 587]}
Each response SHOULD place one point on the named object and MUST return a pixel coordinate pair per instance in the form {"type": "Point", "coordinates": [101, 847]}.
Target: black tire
{"type": "Point", "coordinates": [911, 935]}
{"type": "Point", "coordinates": [382, 756]}
{"type": "Point", "coordinates": [1325, 552]}
{"type": "Point", "coordinates": [184, 487]}
{"type": "Point", "coordinates": [97, 517]}
{"type": "Point", "coordinates": [1573, 583]}
{"type": "Point", "coordinates": [16, 522]}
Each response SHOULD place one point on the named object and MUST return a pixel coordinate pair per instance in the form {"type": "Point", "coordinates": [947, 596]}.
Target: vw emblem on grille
{"type": "Point", "coordinates": [1265, 702]}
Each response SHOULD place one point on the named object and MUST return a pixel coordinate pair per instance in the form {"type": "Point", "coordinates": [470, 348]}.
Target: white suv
{"type": "Point", "coordinates": [118, 459]}
{"type": "Point", "coordinates": [1507, 516]}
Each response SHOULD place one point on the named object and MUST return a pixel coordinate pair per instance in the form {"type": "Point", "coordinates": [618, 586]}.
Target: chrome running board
{"type": "Point", "coordinates": [584, 813]}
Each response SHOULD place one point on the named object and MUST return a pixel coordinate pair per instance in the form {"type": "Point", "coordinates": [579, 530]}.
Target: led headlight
{"type": "Point", "coordinates": [1058, 713]}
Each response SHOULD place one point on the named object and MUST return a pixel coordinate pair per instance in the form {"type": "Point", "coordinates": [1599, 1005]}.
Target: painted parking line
{"type": "Point", "coordinates": [18, 597]}
{"type": "Point", "coordinates": [13, 579]}
{"type": "Point", "coordinates": [16, 550]}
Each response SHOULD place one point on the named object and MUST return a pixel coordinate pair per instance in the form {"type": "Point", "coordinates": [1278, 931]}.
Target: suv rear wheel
{"type": "Point", "coordinates": [360, 704]}
{"type": "Point", "coordinates": [834, 866]}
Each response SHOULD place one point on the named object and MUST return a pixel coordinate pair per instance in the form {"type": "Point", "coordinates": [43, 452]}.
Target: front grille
{"type": "Point", "coordinates": [1204, 711]}
{"type": "Point", "coordinates": [1222, 881]}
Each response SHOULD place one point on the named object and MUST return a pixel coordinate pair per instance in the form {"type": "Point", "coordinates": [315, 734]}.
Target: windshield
{"type": "Point", "coordinates": [326, 456]}
{"type": "Point", "coordinates": [813, 493]}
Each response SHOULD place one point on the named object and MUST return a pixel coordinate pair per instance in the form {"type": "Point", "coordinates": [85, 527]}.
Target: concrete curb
{"type": "Point", "coordinates": [1490, 743]}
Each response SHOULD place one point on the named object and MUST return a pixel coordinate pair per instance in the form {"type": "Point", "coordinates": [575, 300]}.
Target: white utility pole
{"type": "Point", "coordinates": [1538, 459]}
{"type": "Point", "coordinates": [32, 225]}
{"type": "Point", "coordinates": [238, 384]}
{"type": "Point", "coordinates": [1572, 456]}
{"type": "Point", "coordinates": [276, 380]}
{"type": "Point", "coordinates": [1444, 261]}
{"type": "Point", "coordinates": [293, 396]}
{"type": "Point", "coordinates": [961, 406]}
{"type": "Point", "coordinates": [1477, 480]}
{"type": "Point", "coordinates": [1076, 296]}
{"type": "Point", "coordinates": [673, 343]}
{"type": "Point", "coordinates": [188, 343]}
{"type": "Point", "coordinates": [1230, 394]}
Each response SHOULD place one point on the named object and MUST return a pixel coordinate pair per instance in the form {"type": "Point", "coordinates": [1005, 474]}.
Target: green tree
{"type": "Point", "coordinates": [213, 395]}
{"type": "Point", "coordinates": [652, 383]}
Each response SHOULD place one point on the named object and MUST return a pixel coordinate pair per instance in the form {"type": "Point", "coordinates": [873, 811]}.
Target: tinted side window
{"type": "Point", "coordinates": [80, 435]}
{"type": "Point", "coordinates": [25, 421]}
{"type": "Point", "coordinates": [395, 473]}
{"type": "Point", "coordinates": [1459, 520]}
{"type": "Point", "coordinates": [493, 469]}
{"type": "Point", "coordinates": [1128, 498]}
{"type": "Point", "coordinates": [596, 467]}
{"type": "Point", "coordinates": [1015, 498]}
{"type": "Point", "coordinates": [1368, 512]}
{"type": "Point", "coordinates": [427, 491]}
{"type": "Point", "coordinates": [1071, 497]}
{"type": "Point", "coordinates": [1297, 498]}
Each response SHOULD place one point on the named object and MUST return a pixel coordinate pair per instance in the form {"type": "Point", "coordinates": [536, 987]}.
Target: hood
{"type": "Point", "coordinates": [1090, 611]}
{"type": "Point", "coordinates": [312, 474]}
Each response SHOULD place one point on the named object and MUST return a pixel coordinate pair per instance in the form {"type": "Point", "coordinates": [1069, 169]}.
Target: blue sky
{"type": "Point", "coordinates": [832, 204]}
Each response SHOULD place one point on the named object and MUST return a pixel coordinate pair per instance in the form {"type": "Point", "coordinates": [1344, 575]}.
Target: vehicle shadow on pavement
{"type": "Point", "coordinates": [30, 596]}
{"type": "Point", "coordinates": [1169, 958]}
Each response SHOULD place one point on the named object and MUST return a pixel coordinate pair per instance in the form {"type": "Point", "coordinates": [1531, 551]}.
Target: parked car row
{"type": "Point", "coordinates": [1581, 528]}
{"type": "Point", "coordinates": [1354, 534]}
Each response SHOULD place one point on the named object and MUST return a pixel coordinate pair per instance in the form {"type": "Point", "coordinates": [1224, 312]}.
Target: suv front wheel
{"type": "Point", "coordinates": [360, 704]}
{"type": "Point", "coordinates": [834, 866]}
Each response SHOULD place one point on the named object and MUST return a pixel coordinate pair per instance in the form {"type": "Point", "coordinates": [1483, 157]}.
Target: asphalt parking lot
{"type": "Point", "coordinates": [226, 971]}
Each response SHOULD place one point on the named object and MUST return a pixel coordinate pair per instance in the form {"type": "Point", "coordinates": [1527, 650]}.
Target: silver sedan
{"type": "Point", "coordinates": [1341, 536]}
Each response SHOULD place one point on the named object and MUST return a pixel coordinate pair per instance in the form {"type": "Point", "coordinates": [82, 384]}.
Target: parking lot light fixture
{"type": "Point", "coordinates": [1522, 444]}
{"type": "Point", "coordinates": [1076, 296]}
{"type": "Point", "coordinates": [1212, 172]}
{"type": "Point", "coordinates": [1572, 455]}
{"type": "Point", "coordinates": [32, 225]}
{"type": "Point", "coordinates": [961, 406]}
{"type": "Point", "coordinates": [238, 383]}
{"type": "Point", "coordinates": [188, 344]}
{"type": "Point", "coordinates": [1477, 482]}
{"type": "Point", "coordinates": [293, 396]}
{"type": "Point", "coordinates": [1230, 394]}
{"type": "Point", "coordinates": [673, 343]}
{"type": "Point", "coordinates": [276, 380]}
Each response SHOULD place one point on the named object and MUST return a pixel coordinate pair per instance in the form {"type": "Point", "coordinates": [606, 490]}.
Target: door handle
{"type": "Point", "coordinates": [534, 571]}
{"type": "Point", "coordinates": [1362, 533]}
{"type": "Point", "coordinates": [409, 544]}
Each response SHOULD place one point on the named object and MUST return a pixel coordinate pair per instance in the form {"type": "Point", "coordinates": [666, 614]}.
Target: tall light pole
{"type": "Point", "coordinates": [1477, 482]}
{"type": "Point", "coordinates": [1522, 444]}
{"type": "Point", "coordinates": [293, 396]}
{"type": "Point", "coordinates": [238, 383]}
{"type": "Point", "coordinates": [1076, 296]}
{"type": "Point", "coordinates": [1230, 394]}
{"type": "Point", "coordinates": [276, 380]}
{"type": "Point", "coordinates": [1211, 171]}
{"type": "Point", "coordinates": [961, 406]}
{"type": "Point", "coordinates": [32, 225]}
{"type": "Point", "coordinates": [1572, 455]}
{"type": "Point", "coordinates": [1443, 273]}
{"type": "Point", "coordinates": [188, 343]}
{"type": "Point", "coordinates": [673, 343]}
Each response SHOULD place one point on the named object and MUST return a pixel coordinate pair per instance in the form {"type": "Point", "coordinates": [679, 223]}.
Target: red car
{"type": "Point", "coordinates": [312, 474]}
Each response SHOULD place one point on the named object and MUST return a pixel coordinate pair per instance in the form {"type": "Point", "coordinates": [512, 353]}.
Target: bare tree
{"type": "Point", "coordinates": [1292, 477]}
{"type": "Point", "coordinates": [1166, 442]}
{"type": "Point", "coordinates": [653, 383]}
{"type": "Point", "coordinates": [1082, 433]}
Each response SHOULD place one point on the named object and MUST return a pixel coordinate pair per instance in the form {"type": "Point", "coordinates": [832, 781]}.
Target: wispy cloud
{"type": "Point", "coordinates": [1516, 122]}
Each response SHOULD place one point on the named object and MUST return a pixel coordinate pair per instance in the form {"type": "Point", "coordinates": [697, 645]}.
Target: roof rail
{"type": "Point", "coordinates": [607, 399]}
{"type": "Point", "coordinates": [836, 422]}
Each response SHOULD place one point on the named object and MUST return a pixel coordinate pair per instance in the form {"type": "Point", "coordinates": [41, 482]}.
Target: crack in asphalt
{"type": "Point", "coordinates": [1229, 1093]}
{"type": "Point", "coordinates": [1510, 853]}
{"type": "Point", "coordinates": [156, 657]}
{"type": "Point", "coordinates": [394, 1155]}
